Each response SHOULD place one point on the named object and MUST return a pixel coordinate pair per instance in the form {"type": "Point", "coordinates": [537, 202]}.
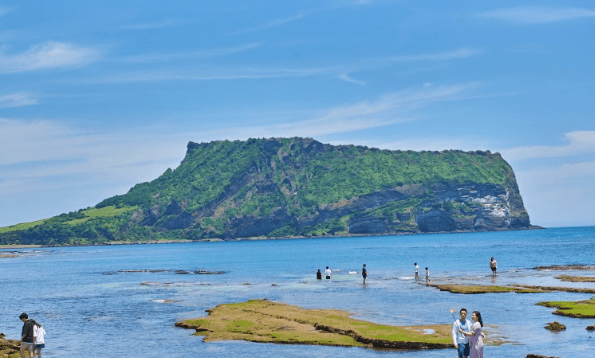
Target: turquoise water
{"type": "Point", "coordinates": [90, 309]}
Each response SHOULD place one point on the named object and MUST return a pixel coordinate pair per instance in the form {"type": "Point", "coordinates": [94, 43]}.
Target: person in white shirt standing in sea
{"type": "Point", "coordinates": [460, 340]}
{"type": "Point", "coordinates": [328, 273]}
{"type": "Point", "coordinates": [38, 338]}
{"type": "Point", "coordinates": [416, 271]}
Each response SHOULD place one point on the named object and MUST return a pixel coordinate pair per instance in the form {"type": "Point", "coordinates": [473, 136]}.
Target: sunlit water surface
{"type": "Point", "coordinates": [90, 310]}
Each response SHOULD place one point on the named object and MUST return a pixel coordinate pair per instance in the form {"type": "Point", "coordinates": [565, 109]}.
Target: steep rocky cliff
{"type": "Point", "coordinates": [286, 187]}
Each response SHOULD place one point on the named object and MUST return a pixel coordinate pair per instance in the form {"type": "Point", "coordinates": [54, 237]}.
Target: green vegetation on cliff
{"type": "Point", "coordinates": [296, 187]}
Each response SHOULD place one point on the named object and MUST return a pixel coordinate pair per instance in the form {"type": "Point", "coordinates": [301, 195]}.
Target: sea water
{"type": "Point", "coordinates": [91, 308]}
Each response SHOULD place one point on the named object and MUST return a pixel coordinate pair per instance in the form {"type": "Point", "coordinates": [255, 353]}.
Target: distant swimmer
{"type": "Point", "coordinates": [416, 271]}
{"type": "Point", "coordinates": [493, 266]}
{"type": "Point", "coordinates": [364, 273]}
{"type": "Point", "coordinates": [427, 276]}
{"type": "Point", "coordinates": [328, 273]}
{"type": "Point", "coordinates": [319, 275]}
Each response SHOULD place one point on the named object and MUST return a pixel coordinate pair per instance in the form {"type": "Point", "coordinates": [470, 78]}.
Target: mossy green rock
{"type": "Point", "coordinates": [577, 309]}
{"type": "Point", "coordinates": [270, 322]}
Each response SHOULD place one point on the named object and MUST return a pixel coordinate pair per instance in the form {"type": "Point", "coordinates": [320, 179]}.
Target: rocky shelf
{"type": "Point", "coordinates": [270, 322]}
{"type": "Point", "coordinates": [9, 348]}
{"type": "Point", "coordinates": [478, 289]}
{"type": "Point", "coordinates": [567, 278]}
{"type": "Point", "coordinates": [565, 268]}
{"type": "Point", "coordinates": [578, 309]}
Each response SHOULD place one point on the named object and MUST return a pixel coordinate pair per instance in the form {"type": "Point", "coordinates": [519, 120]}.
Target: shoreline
{"type": "Point", "coordinates": [263, 238]}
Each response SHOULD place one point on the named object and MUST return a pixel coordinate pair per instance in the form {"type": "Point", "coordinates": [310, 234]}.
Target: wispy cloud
{"type": "Point", "coordinates": [537, 15]}
{"type": "Point", "coordinates": [209, 75]}
{"type": "Point", "coordinates": [49, 55]}
{"type": "Point", "coordinates": [335, 71]}
{"type": "Point", "coordinates": [268, 25]}
{"type": "Point", "coordinates": [559, 195]}
{"type": "Point", "coordinates": [440, 56]}
{"type": "Point", "coordinates": [345, 77]}
{"type": "Point", "coordinates": [579, 142]}
{"type": "Point", "coordinates": [4, 10]}
{"type": "Point", "coordinates": [388, 109]}
{"type": "Point", "coordinates": [17, 99]}
{"type": "Point", "coordinates": [155, 25]}
{"type": "Point", "coordinates": [218, 52]}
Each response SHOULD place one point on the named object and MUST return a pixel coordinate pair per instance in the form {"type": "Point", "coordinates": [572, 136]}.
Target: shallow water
{"type": "Point", "coordinates": [90, 309]}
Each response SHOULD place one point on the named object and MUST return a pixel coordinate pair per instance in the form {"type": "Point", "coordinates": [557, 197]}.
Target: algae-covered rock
{"type": "Point", "coordinates": [266, 321]}
{"type": "Point", "coordinates": [555, 326]}
{"type": "Point", "coordinates": [9, 348]}
{"type": "Point", "coordinates": [578, 309]}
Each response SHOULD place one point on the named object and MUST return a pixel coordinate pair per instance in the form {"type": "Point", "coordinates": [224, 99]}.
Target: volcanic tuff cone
{"type": "Point", "coordinates": [288, 187]}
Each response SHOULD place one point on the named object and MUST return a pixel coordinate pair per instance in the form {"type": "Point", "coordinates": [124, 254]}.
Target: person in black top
{"type": "Point", "coordinates": [319, 275]}
{"type": "Point", "coordinates": [26, 336]}
{"type": "Point", "coordinates": [364, 273]}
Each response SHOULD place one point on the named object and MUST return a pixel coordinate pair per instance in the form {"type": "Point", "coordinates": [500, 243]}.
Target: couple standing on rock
{"type": "Point", "coordinates": [32, 337]}
{"type": "Point", "coordinates": [468, 337]}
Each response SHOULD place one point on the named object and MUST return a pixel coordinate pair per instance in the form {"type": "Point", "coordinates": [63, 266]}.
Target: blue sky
{"type": "Point", "coordinates": [96, 96]}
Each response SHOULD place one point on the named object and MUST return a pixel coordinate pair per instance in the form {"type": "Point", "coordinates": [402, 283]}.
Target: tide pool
{"type": "Point", "coordinates": [89, 307]}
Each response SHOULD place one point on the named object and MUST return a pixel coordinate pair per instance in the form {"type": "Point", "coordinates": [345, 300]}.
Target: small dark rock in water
{"type": "Point", "coordinates": [590, 328]}
{"type": "Point", "coordinates": [182, 272]}
{"type": "Point", "coordinates": [204, 272]}
{"type": "Point", "coordinates": [274, 285]}
{"type": "Point", "coordinates": [246, 284]}
{"type": "Point", "coordinates": [555, 327]}
{"type": "Point", "coordinates": [537, 356]}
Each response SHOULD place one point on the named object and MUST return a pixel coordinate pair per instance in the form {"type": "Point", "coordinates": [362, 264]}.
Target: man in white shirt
{"type": "Point", "coordinates": [328, 273]}
{"type": "Point", "coordinates": [460, 340]}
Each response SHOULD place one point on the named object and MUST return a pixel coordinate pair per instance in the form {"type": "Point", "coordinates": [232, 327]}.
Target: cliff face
{"type": "Point", "coordinates": [300, 187]}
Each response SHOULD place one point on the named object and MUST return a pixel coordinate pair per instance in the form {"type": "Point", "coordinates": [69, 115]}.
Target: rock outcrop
{"type": "Point", "coordinates": [297, 187]}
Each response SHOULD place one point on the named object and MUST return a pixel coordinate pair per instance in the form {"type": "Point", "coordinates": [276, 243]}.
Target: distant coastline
{"type": "Point", "coordinates": [258, 238]}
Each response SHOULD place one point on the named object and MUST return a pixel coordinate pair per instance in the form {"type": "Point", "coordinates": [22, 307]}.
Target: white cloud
{"type": "Point", "coordinates": [579, 142]}
{"type": "Point", "coordinates": [391, 108]}
{"type": "Point", "coordinates": [345, 77]}
{"type": "Point", "coordinates": [218, 52]}
{"type": "Point", "coordinates": [560, 195]}
{"type": "Point", "coordinates": [268, 25]}
{"type": "Point", "coordinates": [441, 56]}
{"type": "Point", "coordinates": [17, 99]}
{"type": "Point", "coordinates": [155, 25]}
{"type": "Point", "coordinates": [211, 75]}
{"type": "Point", "coordinates": [537, 15]}
{"type": "Point", "coordinates": [49, 55]}
{"type": "Point", "coordinates": [336, 71]}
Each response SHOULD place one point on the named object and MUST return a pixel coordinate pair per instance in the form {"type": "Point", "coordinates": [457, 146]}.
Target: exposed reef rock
{"type": "Point", "coordinates": [578, 309]}
{"type": "Point", "coordinates": [269, 322]}
{"type": "Point", "coordinates": [565, 268]}
{"type": "Point", "coordinates": [8, 347]}
{"type": "Point", "coordinates": [555, 327]}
